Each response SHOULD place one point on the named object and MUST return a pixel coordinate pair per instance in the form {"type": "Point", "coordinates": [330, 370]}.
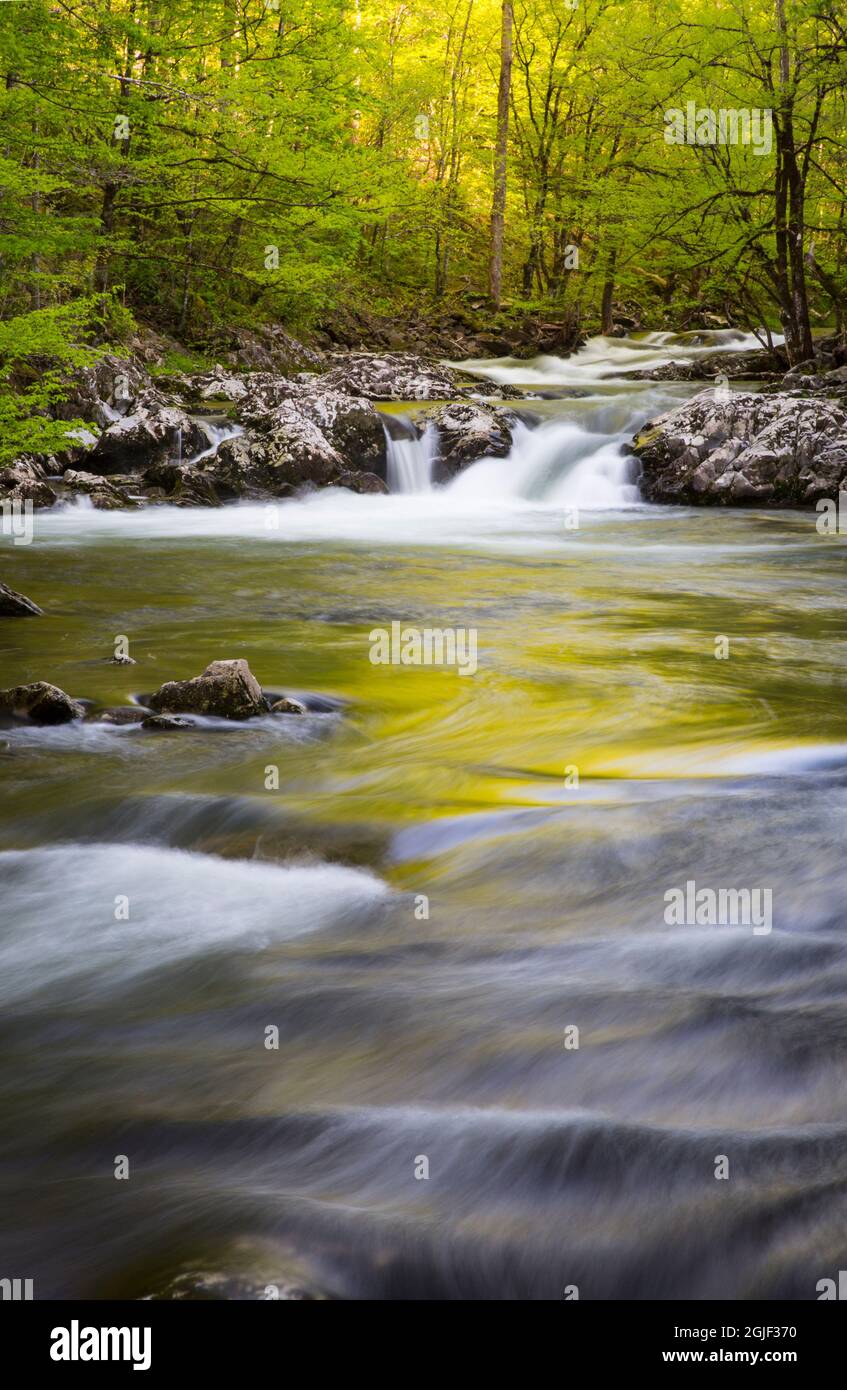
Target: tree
{"type": "Point", "coordinates": [498, 206]}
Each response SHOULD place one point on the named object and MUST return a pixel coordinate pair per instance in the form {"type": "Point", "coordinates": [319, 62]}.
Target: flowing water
{"type": "Point", "coordinates": [454, 873]}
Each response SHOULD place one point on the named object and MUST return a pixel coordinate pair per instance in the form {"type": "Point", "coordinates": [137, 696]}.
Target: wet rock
{"type": "Point", "coordinates": [353, 428]}
{"type": "Point", "coordinates": [154, 431]}
{"type": "Point", "coordinates": [15, 605]}
{"type": "Point", "coordinates": [276, 462]}
{"type": "Point", "coordinates": [350, 428]}
{"type": "Point", "coordinates": [122, 714]}
{"type": "Point", "coordinates": [288, 706]}
{"type": "Point", "coordinates": [161, 723]}
{"type": "Point", "coordinates": [392, 376]}
{"type": "Point", "coordinates": [362, 482]}
{"type": "Point", "coordinates": [467, 432]}
{"type": "Point", "coordinates": [182, 484]}
{"type": "Point", "coordinates": [40, 703]}
{"type": "Point", "coordinates": [120, 660]}
{"type": "Point", "coordinates": [26, 481]}
{"type": "Point", "coordinates": [754, 365]}
{"type": "Point", "coordinates": [736, 448]}
{"type": "Point", "coordinates": [226, 688]}
{"type": "Point", "coordinates": [312, 703]}
{"type": "Point", "coordinates": [103, 494]}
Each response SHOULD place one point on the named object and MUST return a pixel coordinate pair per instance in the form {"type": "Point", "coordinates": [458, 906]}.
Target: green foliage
{"type": "Point", "coordinates": [38, 350]}
{"type": "Point", "coordinates": [241, 162]}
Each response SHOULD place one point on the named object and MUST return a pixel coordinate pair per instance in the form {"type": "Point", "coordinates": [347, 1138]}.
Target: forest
{"type": "Point", "coordinates": [423, 757]}
{"type": "Point", "coordinates": [281, 161]}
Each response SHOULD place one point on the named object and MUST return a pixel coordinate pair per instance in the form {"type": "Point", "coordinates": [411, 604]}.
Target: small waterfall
{"type": "Point", "coordinates": [216, 434]}
{"type": "Point", "coordinates": [179, 444]}
{"type": "Point", "coordinates": [410, 460]}
{"type": "Point", "coordinates": [559, 464]}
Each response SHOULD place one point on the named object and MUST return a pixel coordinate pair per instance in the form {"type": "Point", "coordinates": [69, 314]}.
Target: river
{"type": "Point", "coordinates": [499, 1072]}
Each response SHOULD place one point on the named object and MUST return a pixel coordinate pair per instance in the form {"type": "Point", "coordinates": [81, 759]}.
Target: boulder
{"type": "Point", "coordinates": [353, 428]}
{"type": "Point", "coordinates": [15, 605]}
{"type": "Point", "coordinates": [219, 384]}
{"type": "Point", "coordinates": [122, 714]}
{"type": "Point", "coordinates": [739, 448]}
{"type": "Point", "coordinates": [837, 377]}
{"type": "Point", "coordinates": [468, 431]}
{"type": "Point", "coordinates": [183, 484]}
{"type": "Point", "coordinates": [26, 481]}
{"type": "Point", "coordinates": [226, 688]}
{"type": "Point", "coordinates": [103, 392]}
{"type": "Point", "coordinates": [392, 376]}
{"type": "Point", "coordinates": [288, 706]}
{"type": "Point", "coordinates": [275, 462]}
{"type": "Point", "coordinates": [156, 430]}
{"type": "Point", "coordinates": [40, 703]}
{"type": "Point", "coordinates": [104, 495]}
{"type": "Point", "coordinates": [263, 392]}
{"type": "Point", "coordinates": [349, 425]}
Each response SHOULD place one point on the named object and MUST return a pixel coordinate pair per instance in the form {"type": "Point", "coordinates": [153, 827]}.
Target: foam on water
{"type": "Point", "coordinates": [603, 358]}
{"type": "Point", "coordinates": [60, 925]}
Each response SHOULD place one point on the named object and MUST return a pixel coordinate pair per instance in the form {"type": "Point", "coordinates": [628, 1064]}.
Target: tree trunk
{"type": "Point", "coordinates": [790, 214]}
{"type": "Point", "coordinates": [498, 205]}
{"type": "Point", "coordinates": [607, 321]}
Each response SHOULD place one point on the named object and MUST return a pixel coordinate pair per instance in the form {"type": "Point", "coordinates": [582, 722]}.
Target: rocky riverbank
{"type": "Point", "coordinates": [258, 432]}
{"type": "Point", "coordinates": [208, 438]}
{"type": "Point", "coordinates": [743, 448]}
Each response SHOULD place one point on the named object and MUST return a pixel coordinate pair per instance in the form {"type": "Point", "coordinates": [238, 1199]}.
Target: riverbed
{"type": "Point", "coordinates": [274, 994]}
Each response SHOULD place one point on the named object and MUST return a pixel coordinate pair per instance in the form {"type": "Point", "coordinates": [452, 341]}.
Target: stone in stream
{"type": "Point", "coordinates": [105, 496]}
{"type": "Point", "coordinates": [15, 605]}
{"type": "Point", "coordinates": [351, 427]}
{"type": "Point", "coordinates": [468, 431]}
{"type": "Point", "coordinates": [288, 706]}
{"type": "Point", "coordinates": [735, 448]}
{"type": "Point", "coordinates": [104, 391]}
{"type": "Point", "coordinates": [40, 703]}
{"type": "Point", "coordinates": [161, 723]}
{"type": "Point", "coordinates": [122, 714]}
{"type": "Point", "coordinates": [300, 433]}
{"type": "Point", "coordinates": [182, 484]}
{"type": "Point", "coordinates": [362, 483]}
{"type": "Point", "coordinates": [227, 689]}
